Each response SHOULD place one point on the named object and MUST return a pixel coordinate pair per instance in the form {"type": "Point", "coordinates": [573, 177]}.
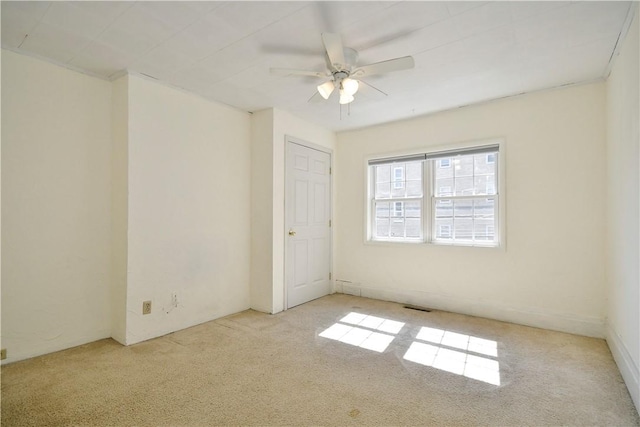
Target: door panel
{"type": "Point", "coordinates": [301, 263]}
{"type": "Point", "coordinates": [319, 211]}
{"type": "Point", "coordinates": [308, 233]}
{"type": "Point", "coordinates": [301, 196]}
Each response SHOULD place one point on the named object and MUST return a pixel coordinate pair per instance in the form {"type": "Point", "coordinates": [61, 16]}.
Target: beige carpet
{"type": "Point", "coordinates": [256, 369]}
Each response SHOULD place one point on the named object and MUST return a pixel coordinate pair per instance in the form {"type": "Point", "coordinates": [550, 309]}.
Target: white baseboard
{"type": "Point", "coordinates": [580, 325]}
{"type": "Point", "coordinates": [40, 348]}
{"type": "Point", "coordinates": [628, 369]}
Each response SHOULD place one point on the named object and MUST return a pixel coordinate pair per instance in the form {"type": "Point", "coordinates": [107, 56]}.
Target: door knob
{"type": "Point", "coordinates": [292, 233]}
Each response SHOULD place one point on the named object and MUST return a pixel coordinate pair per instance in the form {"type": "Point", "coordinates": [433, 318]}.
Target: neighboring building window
{"type": "Point", "coordinates": [444, 231]}
{"type": "Point", "coordinates": [398, 178]}
{"type": "Point", "coordinates": [445, 191]}
{"type": "Point", "coordinates": [398, 212]}
{"type": "Point", "coordinates": [436, 203]}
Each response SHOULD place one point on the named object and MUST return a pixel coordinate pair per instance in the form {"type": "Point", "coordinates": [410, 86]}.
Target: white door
{"type": "Point", "coordinates": [307, 232]}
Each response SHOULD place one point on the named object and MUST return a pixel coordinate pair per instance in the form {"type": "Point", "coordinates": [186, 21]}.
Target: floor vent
{"type": "Point", "coordinates": [415, 307]}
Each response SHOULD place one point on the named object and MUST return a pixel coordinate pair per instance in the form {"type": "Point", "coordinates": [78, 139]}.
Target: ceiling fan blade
{"type": "Point", "coordinates": [335, 51]}
{"type": "Point", "coordinates": [293, 72]}
{"type": "Point", "coordinates": [397, 64]}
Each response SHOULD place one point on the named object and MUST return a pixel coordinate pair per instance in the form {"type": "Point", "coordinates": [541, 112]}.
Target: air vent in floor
{"type": "Point", "coordinates": [415, 307]}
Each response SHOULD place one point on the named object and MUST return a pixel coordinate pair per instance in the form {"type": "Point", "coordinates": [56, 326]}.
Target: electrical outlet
{"type": "Point", "coordinates": [3, 354]}
{"type": "Point", "coordinates": [174, 299]}
{"type": "Point", "coordinates": [146, 307]}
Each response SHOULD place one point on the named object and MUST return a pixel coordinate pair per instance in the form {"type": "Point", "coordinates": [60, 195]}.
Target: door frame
{"type": "Point", "coordinates": [288, 139]}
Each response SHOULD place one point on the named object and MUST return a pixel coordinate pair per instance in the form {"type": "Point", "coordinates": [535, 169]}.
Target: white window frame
{"type": "Point", "coordinates": [428, 200]}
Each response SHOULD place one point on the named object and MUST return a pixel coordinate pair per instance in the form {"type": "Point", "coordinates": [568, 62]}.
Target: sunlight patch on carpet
{"type": "Point", "coordinates": [478, 367]}
{"type": "Point", "coordinates": [453, 352]}
{"type": "Point", "coordinates": [362, 330]}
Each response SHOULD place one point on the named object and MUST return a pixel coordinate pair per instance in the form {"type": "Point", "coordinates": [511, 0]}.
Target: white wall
{"type": "Point", "coordinates": [119, 206]}
{"type": "Point", "coordinates": [189, 209]}
{"type": "Point", "coordinates": [56, 146]}
{"type": "Point", "coordinates": [262, 211]}
{"type": "Point", "coordinates": [623, 202]}
{"type": "Point", "coordinates": [268, 162]}
{"type": "Point", "coordinates": [551, 272]}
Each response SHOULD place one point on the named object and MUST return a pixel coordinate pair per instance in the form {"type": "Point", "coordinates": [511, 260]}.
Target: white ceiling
{"type": "Point", "coordinates": [465, 52]}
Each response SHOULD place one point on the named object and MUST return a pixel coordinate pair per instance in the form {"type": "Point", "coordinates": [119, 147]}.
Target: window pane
{"type": "Point", "coordinates": [484, 220]}
{"type": "Point", "coordinates": [397, 227]}
{"type": "Point", "coordinates": [382, 227]}
{"type": "Point", "coordinates": [414, 227]}
{"type": "Point", "coordinates": [444, 209]}
{"type": "Point", "coordinates": [398, 220]}
{"type": "Point", "coordinates": [464, 186]}
{"type": "Point", "coordinates": [383, 190]}
{"type": "Point", "coordinates": [463, 175]}
{"type": "Point", "coordinates": [465, 221]}
{"type": "Point", "coordinates": [485, 173]}
{"type": "Point", "coordinates": [483, 164]}
{"type": "Point", "coordinates": [468, 175]}
{"type": "Point", "coordinates": [443, 228]}
{"type": "Point", "coordinates": [484, 208]}
{"type": "Point", "coordinates": [382, 210]}
{"type": "Point", "coordinates": [414, 171]}
{"type": "Point", "coordinates": [383, 181]}
{"type": "Point", "coordinates": [382, 219]}
{"type": "Point", "coordinates": [443, 171]}
{"type": "Point", "coordinates": [413, 219]}
{"type": "Point", "coordinates": [444, 187]}
{"type": "Point", "coordinates": [414, 188]}
{"type": "Point", "coordinates": [398, 180]}
{"type": "Point", "coordinates": [462, 208]}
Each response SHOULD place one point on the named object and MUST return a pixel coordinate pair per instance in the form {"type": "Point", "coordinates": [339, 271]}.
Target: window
{"type": "Point", "coordinates": [398, 211]}
{"type": "Point", "coordinates": [435, 202]}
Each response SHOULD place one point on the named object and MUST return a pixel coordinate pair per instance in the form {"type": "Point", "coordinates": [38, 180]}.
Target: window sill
{"type": "Point", "coordinates": [417, 243]}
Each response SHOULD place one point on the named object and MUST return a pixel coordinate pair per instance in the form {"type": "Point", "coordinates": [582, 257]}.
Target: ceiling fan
{"type": "Point", "coordinates": [342, 69]}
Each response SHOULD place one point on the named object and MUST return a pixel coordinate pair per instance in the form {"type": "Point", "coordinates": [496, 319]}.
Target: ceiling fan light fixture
{"type": "Point", "coordinates": [345, 98]}
{"type": "Point", "coordinates": [325, 89]}
{"type": "Point", "coordinates": [350, 86]}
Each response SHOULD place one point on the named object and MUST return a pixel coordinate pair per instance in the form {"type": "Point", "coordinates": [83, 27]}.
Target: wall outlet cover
{"type": "Point", "coordinates": [3, 354]}
{"type": "Point", "coordinates": [146, 307]}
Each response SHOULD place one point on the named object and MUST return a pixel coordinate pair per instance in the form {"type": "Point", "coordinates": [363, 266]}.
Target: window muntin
{"type": "Point", "coordinates": [459, 201]}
